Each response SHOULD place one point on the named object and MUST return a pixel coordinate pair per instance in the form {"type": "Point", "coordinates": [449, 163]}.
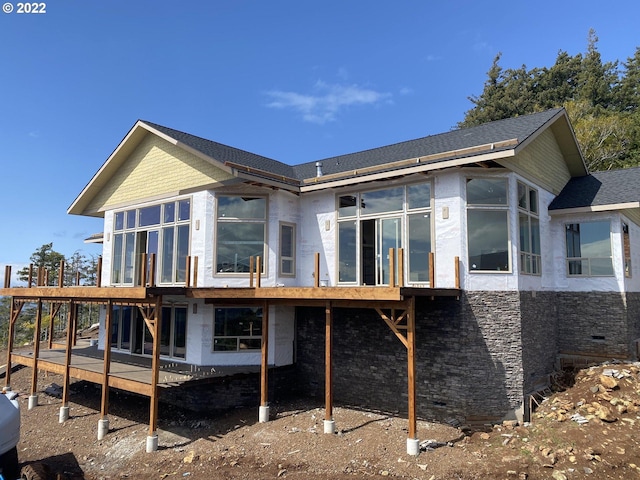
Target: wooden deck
{"type": "Point", "coordinates": [127, 372]}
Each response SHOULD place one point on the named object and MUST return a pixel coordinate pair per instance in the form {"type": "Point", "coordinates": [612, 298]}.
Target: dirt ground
{"type": "Point", "coordinates": [588, 430]}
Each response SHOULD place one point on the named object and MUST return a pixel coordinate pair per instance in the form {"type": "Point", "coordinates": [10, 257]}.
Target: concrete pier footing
{"type": "Point", "coordinates": [413, 446]}
{"type": "Point", "coordinates": [329, 426]}
{"type": "Point", "coordinates": [64, 414]}
{"type": "Point", "coordinates": [103, 428]}
{"type": "Point", "coordinates": [152, 443]}
{"type": "Point", "coordinates": [263, 413]}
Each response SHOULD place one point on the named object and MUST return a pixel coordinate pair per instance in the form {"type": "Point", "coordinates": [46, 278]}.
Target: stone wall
{"type": "Point", "coordinates": [476, 357]}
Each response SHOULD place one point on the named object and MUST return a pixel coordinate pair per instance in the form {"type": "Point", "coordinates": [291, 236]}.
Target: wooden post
{"type": "Point", "coordinates": [316, 270]}
{"type": "Point", "coordinates": [99, 272]}
{"type": "Point", "coordinates": [152, 443]}
{"type": "Point", "coordinates": [30, 281]}
{"type": "Point", "coordinates": [36, 352]}
{"type": "Point", "coordinates": [73, 311]}
{"type": "Point", "coordinates": [401, 267]}
{"type": "Point", "coordinates": [264, 350]}
{"type": "Point", "coordinates": [61, 274]}
{"type": "Point", "coordinates": [411, 367]}
{"type": "Point", "coordinates": [457, 270]}
{"type": "Point", "coordinates": [13, 315]}
{"type": "Point", "coordinates": [7, 276]}
{"type": "Point", "coordinates": [104, 402]}
{"type": "Point", "coordinates": [144, 266]}
{"type": "Point", "coordinates": [328, 362]}
{"type": "Point", "coordinates": [187, 280]}
{"type": "Point", "coordinates": [392, 267]}
{"type": "Point", "coordinates": [258, 271]}
{"type": "Point", "coordinates": [432, 276]}
{"type": "Point", "coordinates": [251, 270]}
{"type": "Point", "coordinates": [52, 313]}
{"type": "Point", "coordinates": [152, 271]}
{"type": "Point", "coordinates": [195, 272]}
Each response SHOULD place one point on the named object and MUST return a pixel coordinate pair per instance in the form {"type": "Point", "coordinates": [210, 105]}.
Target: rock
{"type": "Point", "coordinates": [604, 414]}
{"type": "Point", "coordinates": [608, 382]}
{"type": "Point", "coordinates": [558, 475]}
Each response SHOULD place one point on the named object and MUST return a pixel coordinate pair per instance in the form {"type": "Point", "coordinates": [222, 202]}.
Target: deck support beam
{"type": "Point", "coordinates": [103, 423]}
{"type": "Point", "coordinates": [329, 423]}
{"type": "Point", "coordinates": [263, 412]}
{"type": "Point", "coordinates": [15, 310]}
{"type": "Point", "coordinates": [64, 409]}
{"type": "Point", "coordinates": [152, 439]}
{"type": "Point", "coordinates": [33, 397]}
{"type": "Point", "coordinates": [403, 326]}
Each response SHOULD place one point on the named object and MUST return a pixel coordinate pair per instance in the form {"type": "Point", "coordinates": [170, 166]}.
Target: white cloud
{"type": "Point", "coordinates": [326, 101]}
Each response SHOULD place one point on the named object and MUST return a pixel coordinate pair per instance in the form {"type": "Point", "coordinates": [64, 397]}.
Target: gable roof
{"type": "Point", "coordinates": [608, 190]}
{"type": "Point", "coordinates": [480, 144]}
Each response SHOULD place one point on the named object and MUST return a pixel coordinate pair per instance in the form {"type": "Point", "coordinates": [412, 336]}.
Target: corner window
{"type": "Point", "coordinates": [287, 250]}
{"type": "Point", "coordinates": [589, 249]}
{"type": "Point", "coordinates": [626, 246]}
{"type": "Point", "coordinates": [241, 232]}
{"type": "Point", "coordinates": [529, 227]}
{"type": "Point", "coordinates": [488, 224]}
{"type": "Point", "coordinates": [237, 329]}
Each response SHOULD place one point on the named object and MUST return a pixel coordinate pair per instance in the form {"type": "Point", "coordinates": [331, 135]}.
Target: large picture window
{"type": "Point", "coordinates": [529, 227]}
{"type": "Point", "coordinates": [237, 329]}
{"type": "Point", "coordinates": [589, 249]}
{"type": "Point", "coordinates": [163, 230]}
{"type": "Point", "coordinates": [241, 232]}
{"type": "Point", "coordinates": [488, 224]}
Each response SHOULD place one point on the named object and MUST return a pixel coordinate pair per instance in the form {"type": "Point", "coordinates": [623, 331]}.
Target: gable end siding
{"type": "Point", "coordinates": [156, 168]}
{"type": "Point", "coordinates": [542, 163]}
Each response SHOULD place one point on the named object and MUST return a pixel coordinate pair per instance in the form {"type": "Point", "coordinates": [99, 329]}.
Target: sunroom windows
{"type": "Point", "coordinates": [372, 222]}
{"type": "Point", "coordinates": [488, 224]}
{"type": "Point", "coordinates": [241, 231]}
{"type": "Point", "coordinates": [161, 229]}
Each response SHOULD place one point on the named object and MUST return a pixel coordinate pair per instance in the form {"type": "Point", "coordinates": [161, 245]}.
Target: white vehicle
{"type": "Point", "coordinates": [9, 435]}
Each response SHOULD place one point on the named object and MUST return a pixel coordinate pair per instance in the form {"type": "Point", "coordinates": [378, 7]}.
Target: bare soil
{"type": "Point", "coordinates": [588, 430]}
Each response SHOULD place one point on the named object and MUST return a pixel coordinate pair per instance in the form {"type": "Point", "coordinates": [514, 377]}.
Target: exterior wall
{"type": "Point", "coordinates": [156, 168]}
{"type": "Point", "coordinates": [317, 232]}
{"type": "Point", "coordinates": [469, 357]}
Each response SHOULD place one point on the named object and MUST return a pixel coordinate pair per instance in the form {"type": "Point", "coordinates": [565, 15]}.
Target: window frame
{"type": "Point", "coordinates": [351, 214]}
{"type": "Point", "coordinates": [256, 339]}
{"type": "Point", "coordinates": [504, 208]}
{"type": "Point", "coordinates": [530, 262]}
{"type": "Point", "coordinates": [284, 258]}
{"type": "Point", "coordinates": [626, 250]}
{"type": "Point", "coordinates": [586, 259]}
{"type": "Point", "coordinates": [127, 233]}
{"type": "Point", "coordinates": [240, 220]}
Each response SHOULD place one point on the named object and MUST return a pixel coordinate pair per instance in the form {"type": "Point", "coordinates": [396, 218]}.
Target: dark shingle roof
{"type": "Point", "coordinates": [600, 188]}
{"type": "Point", "coordinates": [224, 153]}
{"type": "Point", "coordinates": [520, 128]}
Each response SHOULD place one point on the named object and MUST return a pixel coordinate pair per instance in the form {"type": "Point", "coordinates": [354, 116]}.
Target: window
{"type": "Point", "coordinates": [287, 249]}
{"type": "Point", "coordinates": [371, 222]}
{"type": "Point", "coordinates": [626, 245]}
{"type": "Point", "coordinates": [529, 226]}
{"type": "Point", "coordinates": [173, 331]}
{"type": "Point", "coordinates": [589, 249]}
{"type": "Point", "coordinates": [155, 229]}
{"type": "Point", "coordinates": [237, 329]}
{"type": "Point", "coordinates": [241, 232]}
{"type": "Point", "coordinates": [488, 224]}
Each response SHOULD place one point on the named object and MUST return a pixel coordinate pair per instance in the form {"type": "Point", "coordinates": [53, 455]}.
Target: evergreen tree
{"type": "Point", "coordinates": [44, 258]}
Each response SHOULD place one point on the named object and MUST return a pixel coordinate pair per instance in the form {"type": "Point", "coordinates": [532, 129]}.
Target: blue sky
{"type": "Point", "coordinates": [292, 80]}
